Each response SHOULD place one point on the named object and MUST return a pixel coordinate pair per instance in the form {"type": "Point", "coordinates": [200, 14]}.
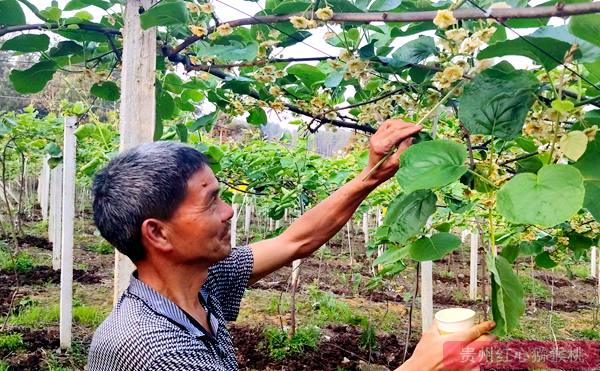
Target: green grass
{"type": "Point", "coordinates": [101, 247]}
{"type": "Point", "coordinates": [89, 316]}
{"type": "Point", "coordinates": [534, 287]}
{"type": "Point", "coordinates": [588, 333]}
{"type": "Point", "coordinates": [35, 316]}
{"type": "Point", "coordinates": [23, 262]}
{"type": "Point", "coordinates": [280, 345]}
{"type": "Point", "coordinates": [4, 366]}
{"type": "Point", "coordinates": [11, 342]}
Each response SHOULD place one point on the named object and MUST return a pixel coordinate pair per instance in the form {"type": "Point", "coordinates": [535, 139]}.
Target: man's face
{"type": "Point", "coordinates": [199, 228]}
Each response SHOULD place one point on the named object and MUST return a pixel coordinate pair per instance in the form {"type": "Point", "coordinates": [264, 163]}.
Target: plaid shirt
{"type": "Point", "coordinates": [146, 331]}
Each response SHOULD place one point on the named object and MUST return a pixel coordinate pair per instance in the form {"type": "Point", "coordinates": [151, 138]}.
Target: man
{"type": "Point", "coordinates": [159, 205]}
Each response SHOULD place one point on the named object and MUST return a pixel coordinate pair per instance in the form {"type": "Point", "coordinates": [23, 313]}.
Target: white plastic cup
{"type": "Point", "coordinates": [453, 320]}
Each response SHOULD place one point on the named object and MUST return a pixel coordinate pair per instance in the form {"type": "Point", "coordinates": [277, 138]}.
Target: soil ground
{"type": "Point", "coordinates": [357, 328]}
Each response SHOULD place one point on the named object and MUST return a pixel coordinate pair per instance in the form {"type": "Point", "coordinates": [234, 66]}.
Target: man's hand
{"type": "Point", "coordinates": [459, 351]}
{"type": "Point", "coordinates": [391, 134]}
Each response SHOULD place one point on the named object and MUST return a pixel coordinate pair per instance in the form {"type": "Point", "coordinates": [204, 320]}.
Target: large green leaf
{"type": "Point", "coordinates": [80, 4]}
{"type": "Point", "coordinates": [205, 122]}
{"type": "Point", "coordinates": [552, 196]}
{"type": "Point", "coordinates": [33, 79]}
{"type": "Point", "coordinates": [106, 90]}
{"type": "Point", "coordinates": [507, 295]}
{"type": "Point", "coordinates": [257, 116]}
{"type": "Point", "coordinates": [65, 48]}
{"type": "Point", "coordinates": [496, 102]}
{"type": "Point", "coordinates": [586, 52]}
{"type": "Point", "coordinates": [407, 214]}
{"type": "Point", "coordinates": [11, 13]}
{"type": "Point", "coordinates": [434, 247]}
{"type": "Point", "coordinates": [232, 48]}
{"type": "Point", "coordinates": [413, 52]}
{"type": "Point", "coordinates": [548, 54]}
{"type": "Point", "coordinates": [384, 5]}
{"type": "Point", "coordinates": [431, 164]}
{"type": "Point", "coordinates": [27, 43]}
{"type": "Point", "coordinates": [165, 13]}
{"type": "Point", "coordinates": [586, 27]}
{"type": "Point", "coordinates": [309, 75]}
{"type": "Point", "coordinates": [589, 166]}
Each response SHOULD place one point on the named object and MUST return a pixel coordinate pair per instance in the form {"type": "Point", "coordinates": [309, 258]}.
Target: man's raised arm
{"type": "Point", "coordinates": [323, 221]}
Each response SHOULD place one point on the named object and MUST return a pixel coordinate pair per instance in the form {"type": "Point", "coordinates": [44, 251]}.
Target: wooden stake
{"type": "Point", "coordinates": [68, 213]}
{"type": "Point", "coordinates": [137, 110]}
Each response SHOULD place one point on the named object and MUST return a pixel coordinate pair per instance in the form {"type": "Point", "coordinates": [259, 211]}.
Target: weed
{"type": "Point", "coordinates": [280, 345]}
{"type": "Point", "coordinates": [35, 316]}
{"type": "Point", "coordinates": [101, 247]}
{"type": "Point", "coordinates": [447, 274]}
{"type": "Point", "coordinates": [22, 261]}
{"type": "Point", "coordinates": [588, 333]}
{"type": "Point", "coordinates": [88, 316]}
{"type": "Point", "coordinates": [11, 341]}
{"type": "Point", "coordinates": [4, 366]}
{"type": "Point", "coordinates": [535, 287]}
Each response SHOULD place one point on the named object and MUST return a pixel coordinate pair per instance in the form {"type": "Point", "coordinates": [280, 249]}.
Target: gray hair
{"type": "Point", "coordinates": [147, 181]}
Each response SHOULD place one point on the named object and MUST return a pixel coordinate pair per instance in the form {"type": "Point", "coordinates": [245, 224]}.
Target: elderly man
{"type": "Point", "coordinates": [159, 205]}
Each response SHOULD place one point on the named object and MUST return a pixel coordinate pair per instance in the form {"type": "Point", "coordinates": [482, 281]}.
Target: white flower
{"type": "Point", "coordinates": [224, 29]}
{"type": "Point", "coordinates": [324, 14]}
{"type": "Point", "coordinates": [207, 8]}
{"type": "Point", "coordinates": [444, 19]}
{"type": "Point", "coordinates": [299, 22]}
{"type": "Point", "coordinates": [457, 35]}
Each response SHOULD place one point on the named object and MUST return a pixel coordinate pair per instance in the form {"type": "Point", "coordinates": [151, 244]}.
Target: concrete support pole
{"type": "Point", "coordinates": [55, 221]}
{"type": "Point", "coordinates": [138, 104]}
{"type": "Point", "coordinates": [68, 213]}
{"type": "Point", "coordinates": [473, 264]}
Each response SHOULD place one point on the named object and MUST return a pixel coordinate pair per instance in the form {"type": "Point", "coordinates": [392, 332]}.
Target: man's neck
{"type": "Point", "coordinates": [178, 283]}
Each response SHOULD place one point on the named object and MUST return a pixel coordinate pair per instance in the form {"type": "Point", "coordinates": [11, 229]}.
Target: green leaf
{"type": "Point", "coordinates": [257, 116]}
{"type": "Point", "coordinates": [33, 79]}
{"type": "Point", "coordinates": [407, 214]}
{"type": "Point", "coordinates": [290, 7]}
{"type": "Point", "coordinates": [65, 48]}
{"type": "Point", "coordinates": [165, 106]}
{"type": "Point", "coordinates": [106, 90]}
{"type": "Point", "coordinates": [496, 102]}
{"type": "Point", "coordinates": [173, 83]}
{"type": "Point", "coordinates": [52, 13]}
{"type": "Point", "coordinates": [563, 106]}
{"type": "Point", "coordinates": [334, 79]}
{"type": "Point", "coordinates": [84, 15]}
{"type": "Point", "coordinates": [11, 13]}
{"type": "Point", "coordinates": [431, 164]}
{"type": "Point", "coordinates": [309, 75]}
{"type": "Point", "coordinates": [523, 46]}
{"type": "Point", "coordinates": [586, 27]}
{"type": "Point", "coordinates": [586, 52]}
{"type": "Point", "coordinates": [573, 144]}
{"type": "Point", "coordinates": [80, 4]}
{"type": "Point", "coordinates": [343, 6]}
{"type": "Point", "coordinates": [205, 122]}
{"type": "Point", "coordinates": [81, 35]}
{"type": "Point", "coordinates": [182, 132]}
{"type": "Point", "coordinates": [391, 256]}
{"type": "Point", "coordinates": [27, 43]}
{"type": "Point", "coordinates": [165, 13]}
{"type": "Point", "coordinates": [413, 52]}
{"type": "Point", "coordinates": [552, 196]}
{"type": "Point", "coordinates": [544, 260]}
{"type": "Point", "coordinates": [590, 170]}
{"type": "Point", "coordinates": [434, 247]}
{"type": "Point", "coordinates": [507, 295]}
{"type": "Point", "coordinates": [231, 48]}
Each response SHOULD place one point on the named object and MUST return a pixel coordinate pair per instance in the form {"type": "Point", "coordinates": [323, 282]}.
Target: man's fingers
{"type": "Point", "coordinates": [474, 332]}
{"type": "Point", "coordinates": [402, 147]}
{"type": "Point", "coordinates": [395, 124]}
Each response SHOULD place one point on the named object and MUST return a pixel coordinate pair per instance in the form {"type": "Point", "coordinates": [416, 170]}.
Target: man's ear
{"type": "Point", "coordinates": [154, 235]}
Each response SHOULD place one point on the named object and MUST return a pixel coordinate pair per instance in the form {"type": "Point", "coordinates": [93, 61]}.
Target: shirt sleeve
{"type": "Point", "coordinates": [228, 279]}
